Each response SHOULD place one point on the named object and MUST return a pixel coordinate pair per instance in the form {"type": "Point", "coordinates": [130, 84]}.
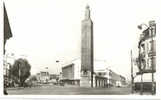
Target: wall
{"type": "Point", "coordinates": [68, 72]}
{"type": "Point", "coordinates": [77, 69]}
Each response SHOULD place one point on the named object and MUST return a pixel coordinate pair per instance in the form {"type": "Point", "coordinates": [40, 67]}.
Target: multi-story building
{"type": "Point", "coordinates": [103, 76]}
{"type": "Point", "coordinates": [7, 74]}
{"type": "Point", "coordinates": [147, 48]}
{"type": "Point", "coordinates": [104, 73]}
{"type": "Point", "coordinates": [43, 77]}
{"type": "Point", "coordinates": [147, 57]}
{"type": "Point", "coordinates": [123, 80]}
{"type": "Point", "coordinates": [71, 73]}
{"type": "Point", "coordinates": [116, 79]}
{"type": "Point", "coordinates": [53, 76]}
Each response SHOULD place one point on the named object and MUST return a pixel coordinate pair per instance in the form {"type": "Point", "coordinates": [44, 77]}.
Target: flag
{"type": "Point", "coordinates": [7, 28]}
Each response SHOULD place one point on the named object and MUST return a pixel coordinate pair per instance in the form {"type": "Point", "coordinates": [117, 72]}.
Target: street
{"type": "Point", "coordinates": [60, 90]}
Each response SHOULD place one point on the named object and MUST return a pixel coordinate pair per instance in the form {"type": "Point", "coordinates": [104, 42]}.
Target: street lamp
{"type": "Point", "coordinates": [19, 74]}
{"type": "Point", "coordinates": [57, 61]}
{"type": "Point", "coordinates": [59, 70]}
{"type": "Point", "coordinates": [132, 77]}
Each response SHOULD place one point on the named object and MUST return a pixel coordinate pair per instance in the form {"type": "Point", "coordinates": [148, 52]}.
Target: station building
{"type": "Point", "coordinates": [103, 76]}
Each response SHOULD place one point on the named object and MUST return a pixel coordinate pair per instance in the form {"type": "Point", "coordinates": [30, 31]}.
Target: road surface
{"type": "Point", "coordinates": [62, 90]}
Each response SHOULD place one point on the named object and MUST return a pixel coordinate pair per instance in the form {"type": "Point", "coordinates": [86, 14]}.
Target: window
{"type": "Point", "coordinates": [142, 48]}
{"type": "Point", "coordinates": [154, 46]}
{"type": "Point", "coordinates": [150, 46]}
{"type": "Point", "coordinates": [153, 63]}
{"type": "Point", "coordinates": [150, 63]}
{"type": "Point", "coordinates": [99, 74]}
{"type": "Point", "coordinates": [85, 72]}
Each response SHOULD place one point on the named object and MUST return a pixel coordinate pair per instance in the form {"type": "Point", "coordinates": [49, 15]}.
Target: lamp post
{"type": "Point", "coordinates": [19, 74]}
{"type": "Point", "coordinates": [57, 61]}
{"type": "Point", "coordinates": [59, 70]}
{"type": "Point", "coordinates": [132, 77]}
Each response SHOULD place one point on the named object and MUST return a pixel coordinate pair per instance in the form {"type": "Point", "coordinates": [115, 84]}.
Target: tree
{"type": "Point", "coordinates": [34, 78]}
{"type": "Point", "coordinates": [20, 71]}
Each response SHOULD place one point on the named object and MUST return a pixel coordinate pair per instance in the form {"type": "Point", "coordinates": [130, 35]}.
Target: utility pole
{"type": "Point", "coordinates": [19, 74]}
{"type": "Point", "coordinates": [141, 87]}
{"type": "Point", "coordinates": [152, 46]}
{"type": "Point", "coordinates": [153, 84]}
{"type": "Point", "coordinates": [141, 72]}
{"type": "Point", "coordinates": [132, 77]}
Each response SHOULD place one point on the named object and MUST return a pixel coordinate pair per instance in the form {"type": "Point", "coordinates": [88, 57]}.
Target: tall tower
{"type": "Point", "coordinates": [87, 51]}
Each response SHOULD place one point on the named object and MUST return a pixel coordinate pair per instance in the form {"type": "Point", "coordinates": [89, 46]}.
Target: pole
{"type": "Point", "coordinates": [6, 76]}
{"type": "Point", "coordinates": [141, 92]}
{"type": "Point", "coordinates": [132, 77]}
{"type": "Point", "coordinates": [19, 74]}
{"type": "Point", "coordinates": [57, 61]}
{"type": "Point", "coordinates": [153, 85]}
{"type": "Point", "coordinates": [141, 71]}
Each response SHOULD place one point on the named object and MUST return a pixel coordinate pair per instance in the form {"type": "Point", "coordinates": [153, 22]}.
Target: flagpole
{"type": "Point", "coordinates": [132, 77]}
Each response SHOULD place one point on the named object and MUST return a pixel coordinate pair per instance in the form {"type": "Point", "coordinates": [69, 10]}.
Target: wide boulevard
{"type": "Point", "coordinates": [68, 90]}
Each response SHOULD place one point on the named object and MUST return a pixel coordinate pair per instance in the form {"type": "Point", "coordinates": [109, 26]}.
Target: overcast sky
{"type": "Point", "coordinates": [49, 30]}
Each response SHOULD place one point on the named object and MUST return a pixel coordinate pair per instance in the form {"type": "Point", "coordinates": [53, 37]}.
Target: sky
{"type": "Point", "coordinates": [45, 31]}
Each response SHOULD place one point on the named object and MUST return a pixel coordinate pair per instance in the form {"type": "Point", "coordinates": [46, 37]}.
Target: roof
{"type": "Point", "coordinates": [69, 65]}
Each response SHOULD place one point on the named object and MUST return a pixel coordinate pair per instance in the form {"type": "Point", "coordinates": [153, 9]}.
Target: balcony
{"type": "Point", "coordinates": [151, 53]}
{"type": "Point", "coordinates": [142, 55]}
{"type": "Point", "coordinates": [145, 35]}
{"type": "Point", "coordinates": [145, 71]}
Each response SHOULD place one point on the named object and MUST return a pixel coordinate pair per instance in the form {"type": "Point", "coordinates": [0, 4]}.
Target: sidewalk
{"type": "Point", "coordinates": [14, 88]}
{"type": "Point", "coordinates": [144, 93]}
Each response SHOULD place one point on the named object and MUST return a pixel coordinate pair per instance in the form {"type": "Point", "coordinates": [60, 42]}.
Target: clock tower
{"type": "Point", "coordinates": [87, 50]}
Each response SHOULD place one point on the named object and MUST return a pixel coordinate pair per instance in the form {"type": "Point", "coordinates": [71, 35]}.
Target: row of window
{"type": "Point", "coordinates": [151, 46]}
{"type": "Point", "coordinates": [151, 63]}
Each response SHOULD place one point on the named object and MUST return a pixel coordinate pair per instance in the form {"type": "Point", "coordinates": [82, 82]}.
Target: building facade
{"type": "Point", "coordinates": [103, 76]}
{"type": "Point", "coordinates": [43, 77]}
{"type": "Point", "coordinates": [147, 59]}
{"type": "Point", "coordinates": [84, 72]}
{"type": "Point", "coordinates": [147, 49]}
{"type": "Point", "coordinates": [69, 75]}
{"type": "Point", "coordinates": [116, 79]}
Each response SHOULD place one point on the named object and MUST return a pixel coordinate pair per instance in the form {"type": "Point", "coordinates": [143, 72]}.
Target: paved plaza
{"type": "Point", "coordinates": [68, 90]}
